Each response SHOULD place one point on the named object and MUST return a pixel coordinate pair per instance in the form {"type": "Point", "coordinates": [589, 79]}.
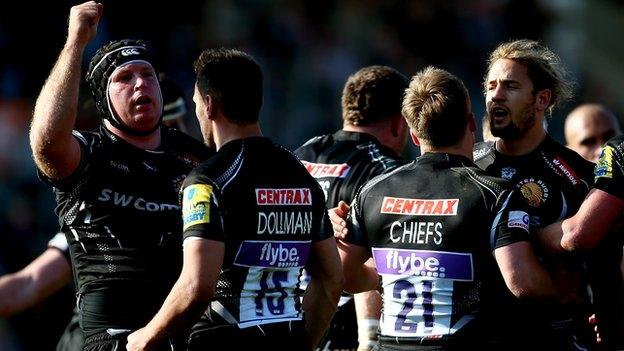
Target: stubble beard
{"type": "Point", "coordinates": [517, 127]}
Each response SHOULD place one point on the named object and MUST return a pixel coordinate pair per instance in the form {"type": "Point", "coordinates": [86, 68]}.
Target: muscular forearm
{"type": "Point", "coordinates": [319, 304]}
{"type": "Point", "coordinates": [549, 238]}
{"type": "Point", "coordinates": [359, 277]}
{"type": "Point", "coordinates": [361, 280]}
{"type": "Point", "coordinates": [183, 306]}
{"type": "Point", "coordinates": [188, 298]}
{"type": "Point", "coordinates": [55, 114]}
{"type": "Point", "coordinates": [31, 285]}
{"type": "Point", "coordinates": [15, 294]}
{"type": "Point", "coordinates": [524, 274]}
{"type": "Point", "coordinates": [598, 213]}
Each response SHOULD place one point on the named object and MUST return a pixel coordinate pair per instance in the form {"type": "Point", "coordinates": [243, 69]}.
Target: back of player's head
{"type": "Point", "coordinates": [234, 79]}
{"type": "Point", "coordinates": [106, 60]}
{"type": "Point", "coordinates": [437, 107]}
{"type": "Point", "coordinates": [543, 66]}
{"type": "Point", "coordinates": [371, 94]}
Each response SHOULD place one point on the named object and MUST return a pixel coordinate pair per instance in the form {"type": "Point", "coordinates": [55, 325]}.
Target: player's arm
{"type": "Point", "coordinates": [523, 273]}
{"type": "Point", "coordinates": [354, 250]}
{"type": "Point", "coordinates": [41, 278]}
{"type": "Point", "coordinates": [596, 216]}
{"type": "Point", "coordinates": [55, 150]}
{"type": "Point", "coordinates": [514, 253]}
{"type": "Point", "coordinates": [189, 296]}
{"type": "Point", "coordinates": [599, 211]}
{"type": "Point", "coordinates": [358, 276]}
{"type": "Point", "coordinates": [323, 292]}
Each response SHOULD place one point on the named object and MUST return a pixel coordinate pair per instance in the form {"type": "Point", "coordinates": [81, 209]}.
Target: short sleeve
{"type": "Point", "coordinates": [86, 143]}
{"type": "Point", "coordinates": [511, 223]}
{"type": "Point", "coordinates": [609, 172]}
{"type": "Point", "coordinates": [357, 234]}
{"type": "Point", "coordinates": [59, 242]}
{"type": "Point", "coordinates": [200, 211]}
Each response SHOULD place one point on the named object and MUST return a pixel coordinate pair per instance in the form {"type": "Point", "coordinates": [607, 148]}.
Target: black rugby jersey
{"type": "Point", "coordinates": [432, 226]}
{"type": "Point", "coordinates": [609, 171]}
{"type": "Point", "coordinates": [609, 177]}
{"type": "Point", "coordinates": [341, 163]}
{"type": "Point", "coordinates": [257, 198]}
{"type": "Point", "coordinates": [344, 161]}
{"type": "Point", "coordinates": [122, 220]}
{"type": "Point", "coordinates": [553, 180]}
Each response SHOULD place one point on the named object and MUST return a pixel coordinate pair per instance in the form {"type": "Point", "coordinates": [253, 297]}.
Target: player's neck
{"type": "Point", "coordinates": [145, 142]}
{"type": "Point", "coordinates": [523, 145]}
{"type": "Point", "coordinates": [463, 147]}
{"type": "Point", "coordinates": [381, 132]}
{"type": "Point", "coordinates": [226, 132]}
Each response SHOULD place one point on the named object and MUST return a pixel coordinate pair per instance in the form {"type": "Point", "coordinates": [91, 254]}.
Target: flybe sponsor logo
{"type": "Point", "coordinates": [281, 197]}
{"type": "Point", "coordinates": [419, 207]}
{"type": "Point", "coordinates": [437, 264]}
{"type": "Point", "coordinates": [139, 203]}
{"type": "Point", "coordinates": [566, 170]}
{"type": "Point", "coordinates": [322, 170]}
{"type": "Point", "coordinates": [274, 254]}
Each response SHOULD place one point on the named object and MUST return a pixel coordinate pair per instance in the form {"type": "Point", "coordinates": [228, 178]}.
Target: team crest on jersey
{"type": "Point", "coordinates": [322, 170]}
{"type": "Point", "coordinates": [604, 167]}
{"type": "Point", "coordinates": [419, 207]}
{"type": "Point", "coordinates": [196, 204]}
{"type": "Point", "coordinates": [508, 173]}
{"type": "Point", "coordinates": [535, 192]}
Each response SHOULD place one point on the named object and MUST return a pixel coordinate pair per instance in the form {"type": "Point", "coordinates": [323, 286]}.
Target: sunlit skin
{"type": "Point", "coordinates": [134, 93]}
{"type": "Point", "coordinates": [202, 117]}
{"type": "Point", "coordinates": [509, 98]}
{"type": "Point", "coordinates": [515, 109]}
{"type": "Point", "coordinates": [587, 128]}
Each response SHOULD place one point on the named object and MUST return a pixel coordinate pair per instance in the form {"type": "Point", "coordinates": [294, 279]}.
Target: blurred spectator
{"type": "Point", "coordinates": [588, 127]}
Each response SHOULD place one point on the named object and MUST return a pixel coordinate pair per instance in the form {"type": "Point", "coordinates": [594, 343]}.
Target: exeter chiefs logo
{"type": "Point", "coordinates": [534, 191]}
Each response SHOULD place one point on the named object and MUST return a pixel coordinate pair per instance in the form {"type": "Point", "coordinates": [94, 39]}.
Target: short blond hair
{"type": "Point", "coordinates": [436, 107]}
{"type": "Point", "coordinates": [544, 68]}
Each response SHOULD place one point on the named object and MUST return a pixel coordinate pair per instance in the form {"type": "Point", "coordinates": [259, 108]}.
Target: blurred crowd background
{"type": "Point", "coordinates": [307, 50]}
